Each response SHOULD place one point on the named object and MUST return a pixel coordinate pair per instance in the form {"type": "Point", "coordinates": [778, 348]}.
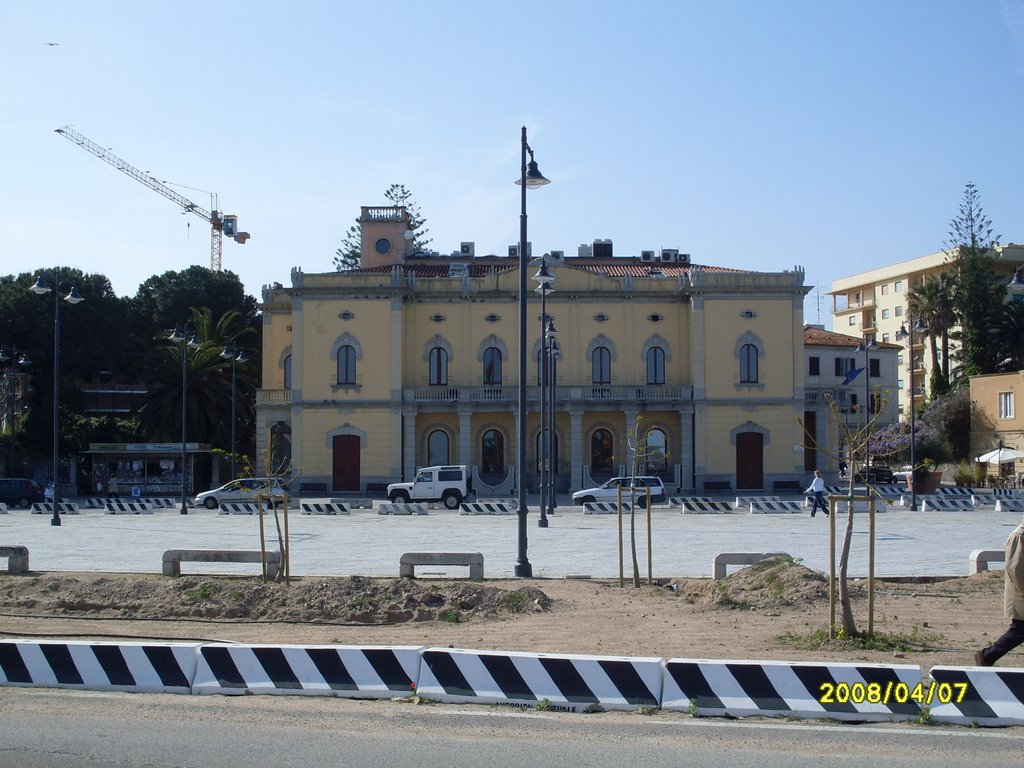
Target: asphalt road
{"type": "Point", "coordinates": [907, 543]}
{"type": "Point", "coordinates": [71, 729]}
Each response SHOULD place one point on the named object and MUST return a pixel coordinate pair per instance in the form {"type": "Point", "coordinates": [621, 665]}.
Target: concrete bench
{"type": "Point", "coordinates": [17, 558]}
{"type": "Point", "coordinates": [408, 562]}
{"type": "Point", "coordinates": [980, 559]}
{"type": "Point", "coordinates": [789, 486]}
{"type": "Point", "coordinates": [173, 558]}
{"type": "Point", "coordinates": [724, 559]}
{"type": "Point", "coordinates": [717, 486]}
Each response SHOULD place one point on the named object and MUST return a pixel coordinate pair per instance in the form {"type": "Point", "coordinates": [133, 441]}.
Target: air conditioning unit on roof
{"type": "Point", "coordinates": [468, 249]}
{"type": "Point", "coordinates": [684, 258]}
{"type": "Point", "coordinates": [646, 255]}
{"type": "Point", "coordinates": [557, 255]}
{"type": "Point", "coordinates": [513, 251]}
{"type": "Point", "coordinates": [670, 254]}
{"type": "Point", "coordinates": [585, 251]}
{"type": "Point", "coordinates": [602, 249]}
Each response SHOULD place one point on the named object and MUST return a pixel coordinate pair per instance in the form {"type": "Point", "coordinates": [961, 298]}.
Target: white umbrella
{"type": "Point", "coordinates": [1000, 456]}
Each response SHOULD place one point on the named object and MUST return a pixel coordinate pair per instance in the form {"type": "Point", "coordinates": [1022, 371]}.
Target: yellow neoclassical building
{"type": "Point", "coordinates": [412, 360]}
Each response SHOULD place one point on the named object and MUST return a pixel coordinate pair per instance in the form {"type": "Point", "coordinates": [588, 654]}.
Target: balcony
{"type": "Point", "coordinates": [818, 394]}
{"type": "Point", "coordinates": [591, 393]}
{"type": "Point", "coordinates": [273, 397]}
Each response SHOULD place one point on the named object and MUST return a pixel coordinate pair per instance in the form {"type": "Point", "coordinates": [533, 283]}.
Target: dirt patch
{"type": "Point", "coordinates": [754, 613]}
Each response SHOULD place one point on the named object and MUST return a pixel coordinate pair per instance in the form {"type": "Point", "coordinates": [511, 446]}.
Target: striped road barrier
{"type": "Point", "coordinates": [773, 507]}
{"type": "Point", "coordinates": [327, 670]}
{"type": "Point", "coordinates": [163, 502]}
{"type": "Point", "coordinates": [415, 508]}
{"type": "Point", "coordinates": [679, 501]}
{"type": "Point", "coordinates": [99, 666]}
{"type": "Point", "coordinates": [323, 508]}
{"type": "Point", "coordinates": [805, 690]}
{"type": "Point", "coordinates": [746, 501]}
{"type": "Point", "coordinates": [950, 504]}
{"type": "Point", "coordinates": [238, 508]}
{"type": "Point", "coordinates": [488, 508]}
{"type": "Point", "coordinates": [569, 683]}
{"type": "Point", "coordinates": [128, 508]}
{"type": "Point", "coordinates": [604, 508]}
{"type": "Point", "coordinates": [706, 507]}
{"type": "Point", "coordinates": [1010, 505]}
{"type": "Point", "coordinates": [981, 695]}
{"type": "Point", "coordinates": [63, 508]}
{"type": "Point", "coordinates": [93, 502]}
{"type": "Point", "coordinates": [354, 503]}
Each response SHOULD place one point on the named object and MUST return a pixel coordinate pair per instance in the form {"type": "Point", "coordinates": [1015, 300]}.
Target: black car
{"type": "Point", "coordinates": [875, 475]}
{"type": "Point", "coordinates": [20, 492]}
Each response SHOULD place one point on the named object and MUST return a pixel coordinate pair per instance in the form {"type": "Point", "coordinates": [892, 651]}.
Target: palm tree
{"type": "Point", "coordinates": [1006, 335]}
{"type": "Point", "coordinates": [209, 382]}
{"type": "Point", "coordinates": [932, 301]}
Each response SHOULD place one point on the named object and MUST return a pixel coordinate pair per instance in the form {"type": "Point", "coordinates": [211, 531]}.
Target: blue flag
{"type": "Point", "coordinates": [852, 374]}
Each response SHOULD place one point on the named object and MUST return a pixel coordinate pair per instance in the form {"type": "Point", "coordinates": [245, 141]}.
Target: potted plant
{"type": "Point", "coordinates": [923, 480]}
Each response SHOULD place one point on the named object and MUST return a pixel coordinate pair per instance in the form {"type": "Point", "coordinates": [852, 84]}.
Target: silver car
{"type": "Point", "coordinates": [609, 491]}
{"type": "Point", "coordinates": [242, 490]}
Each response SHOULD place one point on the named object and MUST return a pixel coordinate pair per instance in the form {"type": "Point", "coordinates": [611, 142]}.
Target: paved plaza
{"type": "Point", "coordinates": [366, 543]}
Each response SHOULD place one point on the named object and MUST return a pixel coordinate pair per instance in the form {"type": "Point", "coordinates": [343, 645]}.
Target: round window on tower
{"type": "Point", "coordinates": [383, 246]}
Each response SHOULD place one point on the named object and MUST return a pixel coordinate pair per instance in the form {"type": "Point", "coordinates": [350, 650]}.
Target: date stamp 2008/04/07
{"type": "Point", "coordinates": [898, 692]}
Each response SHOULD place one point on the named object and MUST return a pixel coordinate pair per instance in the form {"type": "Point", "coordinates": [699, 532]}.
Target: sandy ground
{"type": "Point", "coordinates": [746, 616]}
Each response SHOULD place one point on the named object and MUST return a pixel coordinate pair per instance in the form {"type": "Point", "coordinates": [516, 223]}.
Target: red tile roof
{"type": "Point", "coordinates": [814, 336]}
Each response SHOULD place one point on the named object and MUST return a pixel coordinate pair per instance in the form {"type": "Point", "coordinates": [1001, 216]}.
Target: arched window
{"type": "Point", "coordinates": [655, 365]}
{"type": "Point", "coordinates": [492, 452]}
{"type": "Point", "coordinates": [347, 365]}
{"type": "Point", "coordinates": [492, 367]}
{"type": "Point", "coordinates": [748, 364]}
{"type": "Point", "coordinates": [438, 362]}
{"type": "Point", "coordinates": [288, 372]}
{"type": "Point", "coordinates": [602, 366]}
{"type": "Point", "coordinates": [437, 448]}
{"type": "Point", "coordinates": [602, 452]}
{"type": "Point", "coordinates": [656, 452]}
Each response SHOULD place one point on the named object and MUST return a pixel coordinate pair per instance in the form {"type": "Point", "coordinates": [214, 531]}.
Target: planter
{"type": "Point", "coordinates": [924, 483]}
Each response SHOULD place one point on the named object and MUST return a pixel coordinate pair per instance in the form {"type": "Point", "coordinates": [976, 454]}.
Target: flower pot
{"type": "Point", "coordinates": [924, 483]}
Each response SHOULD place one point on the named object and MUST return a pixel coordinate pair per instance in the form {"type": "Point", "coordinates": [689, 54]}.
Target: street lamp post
{"type": "Point", "coordinates": [1016, 286]}
{"type": "Point", "coordinates": [187, 338]}
{"type": "Point", "coordinates": [544, 278]}
{"type": "Point", "coordinates": [236, 355]}
{"type": "Point", "coordinates": [530, 177]}
{"type": "Point", "coordinates": [902, 334]}
{"type": "Point", "coordinates": [867, 347]}
{"type": "Point", "coordinates": [552, 350]}
{"type": "Point", "coordinates": [11, 393]}
{"type": "Point", "coordinates": [73, 297]}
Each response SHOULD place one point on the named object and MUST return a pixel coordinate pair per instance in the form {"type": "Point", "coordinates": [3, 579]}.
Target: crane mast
{"type": "Point", "coordinates": [219, 223]}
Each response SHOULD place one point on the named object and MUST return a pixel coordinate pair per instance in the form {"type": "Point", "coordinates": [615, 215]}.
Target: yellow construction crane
{"type": "Point", "coordinates": [220, 224]}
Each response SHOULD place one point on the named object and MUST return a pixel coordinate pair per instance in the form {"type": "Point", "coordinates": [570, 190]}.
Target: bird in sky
{"type": "Point", "coordinates": [53, 43]}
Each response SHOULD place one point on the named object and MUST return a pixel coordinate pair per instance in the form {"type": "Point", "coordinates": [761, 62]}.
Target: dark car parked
{"type": "Point", "coordinates": [20, 492]}
{"type": "Point", "coordinates": [875, 475]}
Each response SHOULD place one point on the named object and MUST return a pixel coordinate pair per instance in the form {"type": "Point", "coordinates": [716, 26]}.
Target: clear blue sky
{"type": "Point", "coordinates": [837, 136]}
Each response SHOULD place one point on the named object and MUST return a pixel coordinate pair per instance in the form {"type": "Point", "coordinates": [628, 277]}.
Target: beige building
{"type": "Point", "coordinates": [996, 417]}
{"type": "Point", "coordinates": [873, 304]}
{"type": "Point", "coordinates": [412, 360]}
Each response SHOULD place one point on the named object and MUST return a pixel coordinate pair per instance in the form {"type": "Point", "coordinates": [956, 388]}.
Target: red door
{"type": "Point", "coordinates": [346, 463]}
{"type": "Point", "coordinates": [749, 460]}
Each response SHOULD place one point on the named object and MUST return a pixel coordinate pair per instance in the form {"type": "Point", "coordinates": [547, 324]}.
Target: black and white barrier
{"type": "Point", "coordinates": [326, 670]}
{"type": "Point", "coordinates": [99, 666]}
{"type": "Point", "coordinates": [570, 683]}
{"type": "Point", "coordinates": [323, 508]}
{"type": "Point", "coordinates": [805, 690]}
{"type": "Point", "coordinates": [977, 695]}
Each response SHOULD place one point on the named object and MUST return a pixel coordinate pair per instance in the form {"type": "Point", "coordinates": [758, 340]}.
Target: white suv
{"type": "Point", "coordinates": [609, 491]}
{"type": "Point", "coordinates": [451, 485]}
{"type": "Point", "coordinates": [243, 490]}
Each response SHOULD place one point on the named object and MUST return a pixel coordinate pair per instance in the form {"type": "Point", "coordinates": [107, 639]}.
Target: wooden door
{"type": "Point", "coordinates": [749, 461]}
{"type": "Point", "coordinates": [346, 463]}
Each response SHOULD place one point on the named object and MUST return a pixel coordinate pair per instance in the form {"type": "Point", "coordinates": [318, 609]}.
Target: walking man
{"type": "Point", "coordinates": [1013, 602]}
{"type": "Point", "coordinates": [817, 493]}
